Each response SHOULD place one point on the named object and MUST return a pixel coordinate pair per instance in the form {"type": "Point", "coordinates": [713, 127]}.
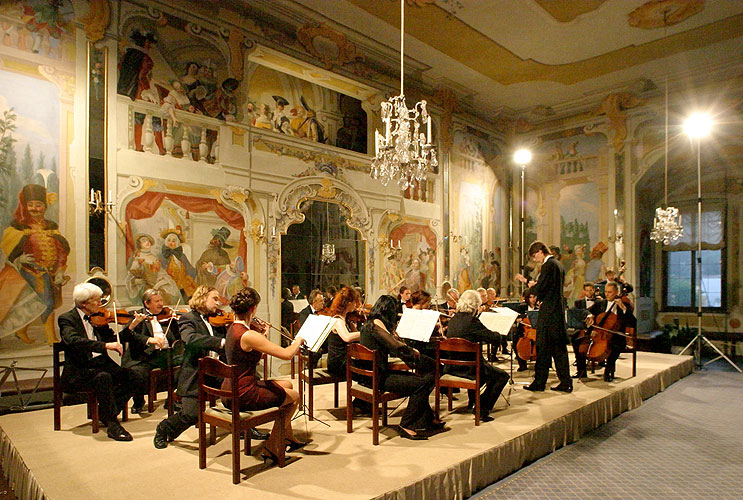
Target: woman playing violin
{"type": "Point", "coordinates": [147, 338]}
{"type": "Point", "coordinates": [245, 347]}
{"type": "Point", "coordinates": [345, 301]}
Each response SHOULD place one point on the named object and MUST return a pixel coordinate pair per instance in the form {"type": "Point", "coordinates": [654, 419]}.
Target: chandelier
{"type": "Point", "coordinates": [667, 223]}
{"type": "Point", "coordinates": [404, 152]}
{"type": "Point", "coordinates": [328, 249]}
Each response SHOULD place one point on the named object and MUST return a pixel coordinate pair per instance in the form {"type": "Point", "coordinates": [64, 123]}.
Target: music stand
{"type": "Point", "coordinates": [7, 371]}
{"type": "Point", "coordinates": [303, 408]}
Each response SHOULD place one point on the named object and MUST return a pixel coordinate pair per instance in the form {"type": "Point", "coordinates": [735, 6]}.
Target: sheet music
{"type": "Point", "coordinates": [499, 321]}
{"type": "Point", "coordinates": [417, 324]}
{"type": "Point", "coordinates": [299, 304]}
{"type": "Point", "coordinates": [315, 330]}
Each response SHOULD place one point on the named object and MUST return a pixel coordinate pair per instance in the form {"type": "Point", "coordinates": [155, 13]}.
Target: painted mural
{"type": "Point", "coordinates": [410, 259]}
{"type": "Point", "coordinates": [179, 242]}
{"type": "Point", "coordinates": [34, 251]}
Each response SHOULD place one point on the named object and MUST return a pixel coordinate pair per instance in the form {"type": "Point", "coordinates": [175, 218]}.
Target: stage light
{"type": "Point", "coordinates": [522, 156]}
{"type": "Point", "coordinates": [698, 125]}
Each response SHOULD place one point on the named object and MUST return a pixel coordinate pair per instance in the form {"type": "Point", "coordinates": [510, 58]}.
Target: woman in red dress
{"type": "Point", "coordinates": [245, 347]}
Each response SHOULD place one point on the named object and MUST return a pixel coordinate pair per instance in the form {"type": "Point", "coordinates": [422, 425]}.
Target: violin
{"type": "Point", "coordinates": [221, 318]}
{"type": "Point", "coordinates": [106, 316]}
{"type": "Point", "coordinates": [526, 347]}
{"type": "Point", "coordinates": [168, 314]}
{"type": "Point", "coordinates": [359, 315]}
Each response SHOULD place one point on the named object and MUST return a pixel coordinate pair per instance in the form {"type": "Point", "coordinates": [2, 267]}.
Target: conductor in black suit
{"type": "Point", "coordinates": [465, 325]}
{"type": "Point", "coordinates": [87, 364]}
{"type": "Point", "coordinates": [148, 342]}
{"type": "Point", "coordinates": [201, 339]}
{"type": "Point", "coordinates": [551, 330]}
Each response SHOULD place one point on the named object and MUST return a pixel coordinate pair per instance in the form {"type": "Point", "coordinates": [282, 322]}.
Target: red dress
{"type": "Point", "coordinates": [254, 394]}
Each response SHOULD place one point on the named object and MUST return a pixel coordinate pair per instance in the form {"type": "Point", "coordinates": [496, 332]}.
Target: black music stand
{"type": "Point", "coordinates": [302, 409]}
{"type": "Point", "coordinates": [7, 371]}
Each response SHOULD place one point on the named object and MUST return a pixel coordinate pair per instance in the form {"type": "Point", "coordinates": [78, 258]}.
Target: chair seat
{"type": "Point", "coordinates": [320, 374]}
{"type": "Point", "coordinates": [221, 411]}
{"type": "Point", "coordinates": [454, 378]}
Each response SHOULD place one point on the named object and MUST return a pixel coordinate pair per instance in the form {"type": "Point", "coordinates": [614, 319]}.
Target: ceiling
{"type": "Point", "coordinates": [537, 59]}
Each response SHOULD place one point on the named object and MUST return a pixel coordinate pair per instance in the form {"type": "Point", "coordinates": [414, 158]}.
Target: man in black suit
{"type": "Point", "coordinates": [465, 325]}
{"type": "Point", "coordinates": [589, 297]}
{"type": "Point", "coordinates": [316, 303]}
{"type": "Point", "coordinates": [551, 331]}
{"type": "Point", "coordinates": [623, 308]}
{"type": "Point", "coordinates": [297, 293]}
{"type": "Point", "coordinates": [201, 339]}
{"type": "Point", "coordinates": [87, 364]}
{"type": "Point", "coordinates": [148, 340]}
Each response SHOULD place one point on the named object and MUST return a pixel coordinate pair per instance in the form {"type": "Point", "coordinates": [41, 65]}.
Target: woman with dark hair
{"type": "Point", "coordinates": [245, 347]}
{"type": "Point", "coordinates": [345, 301]}
{"type": "Point", "coordinates": [377, 334]}
{"type": "Point", "coordinates": [287, 313]}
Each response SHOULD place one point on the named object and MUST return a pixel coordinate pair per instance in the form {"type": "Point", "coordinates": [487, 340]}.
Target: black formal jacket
{"type": "Point", "coordinates": [548, 290]}
{"type": "Point", "coordinates": [138, 351]}
{"type": "Point", "coordinates": [79, 348]}
{"type": "Point", "coordinates": [468, 327]}
{"type": "Point", "coordinates": [581, 303]}
{"type": "Point", "coordinates": [304, 313]}
{"type": "Point", "coordinates": [625, 318]}
{"type": "Point", "coordinates": [198, 343]}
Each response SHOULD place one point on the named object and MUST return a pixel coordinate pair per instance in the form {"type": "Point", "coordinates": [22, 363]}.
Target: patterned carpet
{"type": "Point", "coordinates": [684, 443]}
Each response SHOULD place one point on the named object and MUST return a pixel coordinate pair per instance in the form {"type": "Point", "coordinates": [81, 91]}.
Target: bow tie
{"type": "Point", "coordinates": [86, 318]}
{"type": "Point", "coordinates": [176, 252]}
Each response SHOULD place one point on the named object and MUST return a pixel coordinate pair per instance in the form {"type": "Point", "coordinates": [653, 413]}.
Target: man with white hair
{"type": "Point", "coordinates": [87, 364]}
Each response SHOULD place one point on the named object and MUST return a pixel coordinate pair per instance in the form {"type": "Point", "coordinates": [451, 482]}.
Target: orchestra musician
{"type": "Point", "coordinates": [530, 301]}
{"type": "Point", "coordinates": [244, 347]}
{"type": "Point", "coordinates": [87, 364]}
{"type": "Point", "coordinates": [589, 296]}
{"type": "Point", "coordinates": [452, 297]}
{"type": "Point", "coordinates": [617, 304]}
{"type": "Point", "coordinates": [404, 297]}
{"type": "Point", "coordinates": [148, 340]}
{"type": "Point", "coordinates": [551, 330]}
{"type": "Point", "coordinates": [422, 300]}
{"type": "Point", "coordinates": [201, 339]}
{"type": "Point", "coordinates": [492, 303]}
{"type": "Point", "coordinates": [464, 324]}
{"type": "Point", "coordinates": [418, 420]}
{"type": "Point", "coordinates": [316, 304]}
{"type": "Point", "coordinates": [484, 303]}
{"type": "Point", "coordinates": [287, 313]}
{"type": "Point", "coordinates": [345, 301]}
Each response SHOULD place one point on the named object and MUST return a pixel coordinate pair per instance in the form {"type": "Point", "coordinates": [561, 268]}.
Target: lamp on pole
{"type": "Point", "coordinates": [522, 157]}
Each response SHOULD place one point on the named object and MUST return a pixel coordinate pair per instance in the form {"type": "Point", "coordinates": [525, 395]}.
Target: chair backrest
{"type": "Point", "coordinates": [456, 344]}
{"type": "Point", "coordinates": [210, 367]}
{"type": "Point", "coordinates": [295, 326]}
{"type": "Point", "coordinates": [357, 352]}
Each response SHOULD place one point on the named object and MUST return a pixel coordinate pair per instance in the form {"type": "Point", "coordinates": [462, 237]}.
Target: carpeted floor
{"type": "Point", "coordinates": [683, 443]}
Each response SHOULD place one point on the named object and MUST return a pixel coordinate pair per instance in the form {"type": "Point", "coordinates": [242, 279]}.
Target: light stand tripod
{"type": "Point", "coordinates": [700, 336]}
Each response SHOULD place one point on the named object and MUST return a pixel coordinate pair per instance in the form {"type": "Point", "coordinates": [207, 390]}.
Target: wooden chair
{"type": "Point", "coordinates": [237, 423]}
{"type": "Point", "coordinates": [373, 395]}
{"type": "Point", "coordinates": [60, 397]}
{"type": "Point", "coordinates": [632, 347]}
{"type": "Point", "coordinates": [443, 357]}
{"type": "Point", "coordinates": [311, 376]}
{"type": "Point", "coordinates": [169, 374]}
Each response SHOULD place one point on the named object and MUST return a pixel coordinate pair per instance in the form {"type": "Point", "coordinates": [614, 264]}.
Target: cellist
{"type": "Point", "coordinates": [622, 307]}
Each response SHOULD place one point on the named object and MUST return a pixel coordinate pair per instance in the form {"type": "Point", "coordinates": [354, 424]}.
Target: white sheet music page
{"type": "Point", "coordinates": [499, 321]}
{"type": "Point", "coordinates": [417, 324]}
{"type": "Point", "coordinates": [315, 330]}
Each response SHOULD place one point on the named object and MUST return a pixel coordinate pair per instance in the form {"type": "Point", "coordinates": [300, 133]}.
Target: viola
{"type": "Point", "coordinates": [168, 314]}
{"type": "Point", "coordinates": [526, 347]}
{"type": "Point", "coordinates": [259, 325]}
{"type": "Point", "coordinates": [106, 316]}
{"type": "Point", "coordinates": [221, 318]}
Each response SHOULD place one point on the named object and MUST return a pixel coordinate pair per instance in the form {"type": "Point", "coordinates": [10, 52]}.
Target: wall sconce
{"type": "Point", "coordinates": [391, 249]}
{"type": "Point", "coordinates": [456, 238]}
{"type": "Point", "coordinates": [96, 204]}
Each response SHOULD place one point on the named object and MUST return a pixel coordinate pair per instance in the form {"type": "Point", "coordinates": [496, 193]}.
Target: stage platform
{"type": "Point", "coordinates": [74, 463]}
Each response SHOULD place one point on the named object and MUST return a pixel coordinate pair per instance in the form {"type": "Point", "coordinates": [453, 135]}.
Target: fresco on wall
{"type": "Point", "coordinates": [414, 264]}
{"type": "Point", "coordinates": [34, 252]}
{"type": "Point", "coordinates": [179, 242]}
{"type": "Point", "coordinates": [470, 213]}
{"type": "Point", "coordinates": [298, 108]}
{"type": "Point", "coordinates": [36, 26]}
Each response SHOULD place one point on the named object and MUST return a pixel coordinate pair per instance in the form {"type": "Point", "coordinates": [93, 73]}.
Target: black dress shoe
{"type": "Point", "coordinates": [563, 388]}
{"type": "Point", "coordinates": [406, 435]}
{"type": "Point", "coordinates": [608, 376]}
{"type": "Point", "coordinates": [117, 432]}
{"type": "Point", "coordinates": [486, 418]}
{"type": "Point", "coordinates": [295, 445]}
{"type": "Point", "coordinates": [534, 388]}
{"type": "Point", "coordinates": [136, 410]}
{"type": "Point", "coordinates": [580, 374]}
{"type": "Point", "coordinates": [259, 435]}
{"type": "Point", "coordinates": [161, 439]}
{"type": "Point", "coordinates": [522, 368]}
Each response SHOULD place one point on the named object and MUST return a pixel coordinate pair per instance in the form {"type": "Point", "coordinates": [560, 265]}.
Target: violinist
{"type": "Point", "coordinates": [404, 297]}
{"type": "Point", "coordinates": [622, 307]}
{"type": "Point", "coordinates": [422, 300]}
{"type": "Point", "coordinates": [452, 297]}
{"type": "Point", "coordinates": [317, 304]}
{"type": "Point", "coordinates": [148, 338]}
{"type": "Point", "coordinates": [345, 301]}
{"type": "Point", "coordinates": [88, 366]}
{"type": "Point", "coordinates": [484, 303]}
{"type": "Point", "coordinates": [464, 324]}
{"type": "Point", "coordinates": [201, 339]}
{"type": "Point", "coordinates": [492, 303]}
{"type": "Point", "coordinates": [589, 296]}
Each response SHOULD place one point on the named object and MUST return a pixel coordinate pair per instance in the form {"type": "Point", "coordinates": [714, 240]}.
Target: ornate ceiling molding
{"type": "Point", "coordinates": [330, 46]}
{"type": "Point", "coordinates": [564, 11]}
{"type": "Point", "coordinates": [614, 106]}
{"type": "Point", "coordinates": [662, 13]}
{"type": "Point", "coordinates": [96, 20]}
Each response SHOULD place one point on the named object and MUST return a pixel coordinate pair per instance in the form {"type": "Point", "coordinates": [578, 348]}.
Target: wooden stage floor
{"type": "Point", "coordinates": [74, 463]}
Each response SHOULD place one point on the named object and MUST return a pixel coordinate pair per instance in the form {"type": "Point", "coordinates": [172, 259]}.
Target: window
{"type": "Point", "coordinates": [680, 265]}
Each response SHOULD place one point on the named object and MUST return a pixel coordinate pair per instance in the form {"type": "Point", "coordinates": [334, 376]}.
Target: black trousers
{"type": "Point", "coordinates": [551, 345]}
{"type": "Point", "coordinates": [182, 420]}
{"type": "Point", "coordinates": [418, 414]}
{"type": "Point", "coordinates": [111, 384]}
{"type": "Point", "coordinates": [616, 347]}
{"type": "Point", "coordinates": [141, 373]}
{"type": "Point", "coordinates": [494, 379]}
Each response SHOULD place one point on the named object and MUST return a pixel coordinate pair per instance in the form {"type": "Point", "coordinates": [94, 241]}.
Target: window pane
{"type": "Point", "coordinates": [711, 278]}
{"type": "Point", "coordinates": [679, 287]}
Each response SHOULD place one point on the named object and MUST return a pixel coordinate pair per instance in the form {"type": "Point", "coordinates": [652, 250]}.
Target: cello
{"type": "Point", "coordinates": [596, 339]}
{"type": "Point", "coordinates": [526, 347]}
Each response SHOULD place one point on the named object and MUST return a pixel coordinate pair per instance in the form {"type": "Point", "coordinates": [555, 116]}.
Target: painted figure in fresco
{"type": "Point", "coordinates": [575, 276]}
{"type": "Point", "coordinates": [393, 276]}
{"type": "Point", "coordinates": [45, 20]}
{"type": "Point", "coordinates": [214, 260]}
{"type": "Point", "coordinates": [595, 269]}
{"type": "Point", "coordinates": [265, 118]}
{"type": "Point", "coordinates": [136, 66]}
{"type": "Point", "coordinates": [351, 136]}
{"type": "Point", "coordinates": [464, 282]}
{"type": "Point", "coordinates": [145, 271]}
{"type": "Point", "coordinates": [232, 280]}
{"type": "Point", "coordinates": [191, 78]}
{"type": "Point", "coordinates": [222, 104]}
{"type": "Point", "coordinates": [34, 246]}
{"type": "Point", "coordinates": [281, 122]}
{"type": "Point", "coordinates": [414, 278]}
{"type": "Point", "coordinates": [175, 262]}
{"type": "Point", "coordinates": [176, 99]}
{"type": "Point", "coordinates": [305, 124]}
